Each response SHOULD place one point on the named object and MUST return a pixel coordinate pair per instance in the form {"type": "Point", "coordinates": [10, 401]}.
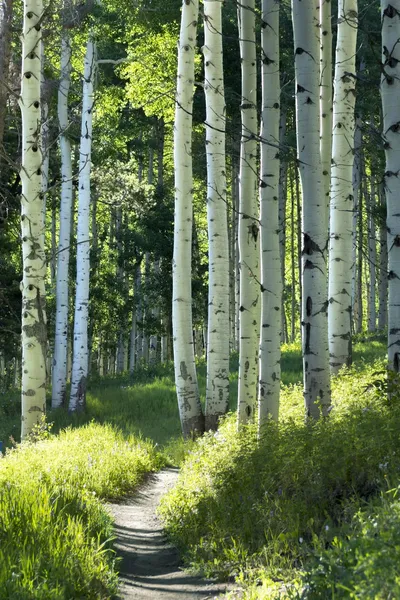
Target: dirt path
{"type": "Point", "coordinates": [150, 567]}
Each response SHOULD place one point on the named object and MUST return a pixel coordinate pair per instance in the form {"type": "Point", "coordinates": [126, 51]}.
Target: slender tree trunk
{"type": "Point", "coordinates": [249, 310]}
{"type": "Point", "coordinates": [390, 91]}
{"type": "Point", "coordinates": [372, 258]}
{"type": "Point", "coordinates": [340, 248]}
{"type": "Point", "coordinates": [272, 218]}
{"type": "Point", "coordinates": [299, 238]}
{"type": "Point", "coordinates": [317, 394]}
{"type": "Point", "coordinates": [383, 268]}
{"type": "Point", "coordinates": [282, 186]}
{"type": "Point", "coordinates": [359, 287]}
{"type": "Point", "coordinates": [34, 336]}
{"type": "Point", "coordinates": [356, 208]}
{"type": "Point", "coordinates": [190, 411]}
{"type": "Point", "coordinates": [80, 352]}
{"type": "Point", "coordinates": [217, 387]}
{"type": "Point", "coordinates": [293, 259]}
{"type": "Point", "coordinates": [6, 14]}
{"type": "Point", "coordinates": [326, 99]}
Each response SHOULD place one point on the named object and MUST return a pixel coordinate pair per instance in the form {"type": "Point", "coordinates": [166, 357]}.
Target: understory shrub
{"type": "Point", "coordinates": [244, 504]}
{"type": "Point", "coordinates": [55, 534]}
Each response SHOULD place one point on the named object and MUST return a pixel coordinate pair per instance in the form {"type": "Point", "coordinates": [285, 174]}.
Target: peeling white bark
{"type": "Point", "coordinates": [271, 278]}
{"type": "Point", "coordinates": [80, 351]}
{"type": "Point", "coordinates": [390, 91]}
{"type": "Point", "coordinates": [317, 394]}
{"type": "Point", "coordinates": [34, 337]}
{"type": "Point", "coordinates": [217, 387]}
{"type": "Point", "coordinates": [59, 373]}
{"type": "Point", "coordinates": [341, 207]}
{"type": "Point", "coordinates": [190, 410]}
{"type": "Point", "coordinates": [249, 259]}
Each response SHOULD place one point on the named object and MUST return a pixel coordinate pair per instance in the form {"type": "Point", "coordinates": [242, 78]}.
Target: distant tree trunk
{"type": "Point", "coordinates": [190, 411]}
{"type": "Point", "coordinates": [340, 247]}
{"type": "Point", "coordinates": [356, 209]}
{"type": "Point", "coordinates": [383, 266]}
{"type": "Point", "coordinates": [249, 310]}
{"type": "Point", "coordinates": [390, 91]}
{"type": "Point", "coordinates": [34, 335]}
{"type": "Point", "coordinates": [372, 258]}
{"type": "Point", "coordinates": [293, 258]}
{"type": "Point", "coordinates": [217, 386]}
{"type": "Point", "coordinates": [282, 191]}
{"type": "Point", "coordinates": [359, 287]}
{"type": "Point", "coordinates": [80, 351]}
{"type": "Point", "coordinates": [299, 237]}
{"type": "Point", "coordinates": [6, 14]}
{"type": "Point", "coordinates": [317, 393]}
{"type": "Point", "coordinates": [273, 211]}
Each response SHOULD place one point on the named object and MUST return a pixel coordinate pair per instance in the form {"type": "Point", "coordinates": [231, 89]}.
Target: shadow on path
{"type": "Point", "coordinates": [150, 567]}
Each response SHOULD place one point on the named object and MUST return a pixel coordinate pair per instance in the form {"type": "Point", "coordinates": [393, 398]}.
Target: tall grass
{"type": "Point", "coordinates": [55, 534]}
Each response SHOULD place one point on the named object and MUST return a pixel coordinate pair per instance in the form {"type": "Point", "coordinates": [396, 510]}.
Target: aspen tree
{"type": "Point", "coordinates": [249, 309]}
{"type": "Point", "coordinates": [372, 258]}
{"type": "Point", "coordinates": [271, 279]}
{"type": "Point", "coordinates": [59, 372]}
{"type": "Point", "coordinates": [383, 263]}
{"type": "Point", "coordinates": [217, 389]}
{"type": "Point", "coordinates": [34, 337]}
{"type": "Point", "coordinates": [6, 14]}
{"type": "Point", "coordinates": [80, 350]}
{"type": "Point", "coordinates": [390, 91]}
{"type": "Point", "coordinates": [190, 411]}
{"type": "Point", "coordinates": [314, 233]}
{"type": "Point", "coordinates": [341, 207]}
{"type": "Point", "coordinates": [326, 98]}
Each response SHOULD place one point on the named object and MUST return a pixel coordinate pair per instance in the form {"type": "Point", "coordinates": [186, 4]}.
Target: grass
{"type": "Point", "coordinates": [55, 534]}
{"type": "Point", "coordinates": [240, 508]}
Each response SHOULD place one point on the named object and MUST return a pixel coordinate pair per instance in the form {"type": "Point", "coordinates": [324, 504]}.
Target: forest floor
{"type": "Point", "coordinates": [150, 566]}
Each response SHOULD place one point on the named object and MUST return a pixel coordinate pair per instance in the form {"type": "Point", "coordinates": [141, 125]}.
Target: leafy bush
{"type": "Point", "coordinates": [55, 535]}
{"type": "Point", "coordinates": [269, 504]}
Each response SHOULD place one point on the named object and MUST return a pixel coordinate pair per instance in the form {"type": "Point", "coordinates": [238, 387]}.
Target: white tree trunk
{"type": "Point", "coordinates": [326, 99]}
{"type": "Point", "coordinates": [383, 265]}
{"type": "Point", "coordinates": [355, 217]}
{"type": "Point", "coordinates": [80, 352]}
{"type": "Point", "coordinates": [341, 208]}
{"type": "Point", "coordinates": [34, 338]}
{"type": "Point", "coordinates": [271, 279]}
{"type": "Point", "coordinates": [372, 259]}
{"type": "Point", "coordinates": [217, 387]}
{"type": "Point", "coordinates": [190, 411]}
{"type": "Point", "coordinates": [314, 233]}
{"type": "Point", "coordinates": [59, 373]}
{"type": "Point", "coordinates": [249, 309]}
{"type": "Point", "coordinates": [390, 90]}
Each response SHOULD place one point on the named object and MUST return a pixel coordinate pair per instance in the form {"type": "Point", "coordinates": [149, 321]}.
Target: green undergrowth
{"type": "Point", "coordinates": [55, 534]}
{"type": "Point", "coordinates": [295, 500]}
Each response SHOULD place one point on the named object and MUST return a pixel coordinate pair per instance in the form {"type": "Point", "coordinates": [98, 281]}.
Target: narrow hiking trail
{"type": "Point", "coordinates": [150, 567]}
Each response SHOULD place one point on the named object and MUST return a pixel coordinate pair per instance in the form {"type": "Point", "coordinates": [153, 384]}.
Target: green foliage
{"type": "Point", "coordinates": [267, 505]}
{"type": "Point", "coordinates": [55, 535]}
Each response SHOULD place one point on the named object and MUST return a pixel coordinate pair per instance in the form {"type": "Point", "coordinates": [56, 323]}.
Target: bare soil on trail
{"type": "Point", "coordinates": [150, 566]}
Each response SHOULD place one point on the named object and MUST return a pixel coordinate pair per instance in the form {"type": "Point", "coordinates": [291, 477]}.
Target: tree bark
{"type": "Point", "coordinates": [249, 309]}
{"type": "Point", "coordinates": [34, 334]}
{"type": "Point", "coordinates": [317, 393]}
{"type": "Point", "coordinates": [217, 385]}
{"type": "Point", "coordinates": [340, 247]}
{"type": "Point", "coordinates": [190, 411]}
{"type": "Point", "coordinates": [80, 350]}
{"type": "Point", "coordinates": [390, 90]}
{"type": "Point", "coordinates": [6, 14]}
{"type": "Point", "coordinates": [273, 211]}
